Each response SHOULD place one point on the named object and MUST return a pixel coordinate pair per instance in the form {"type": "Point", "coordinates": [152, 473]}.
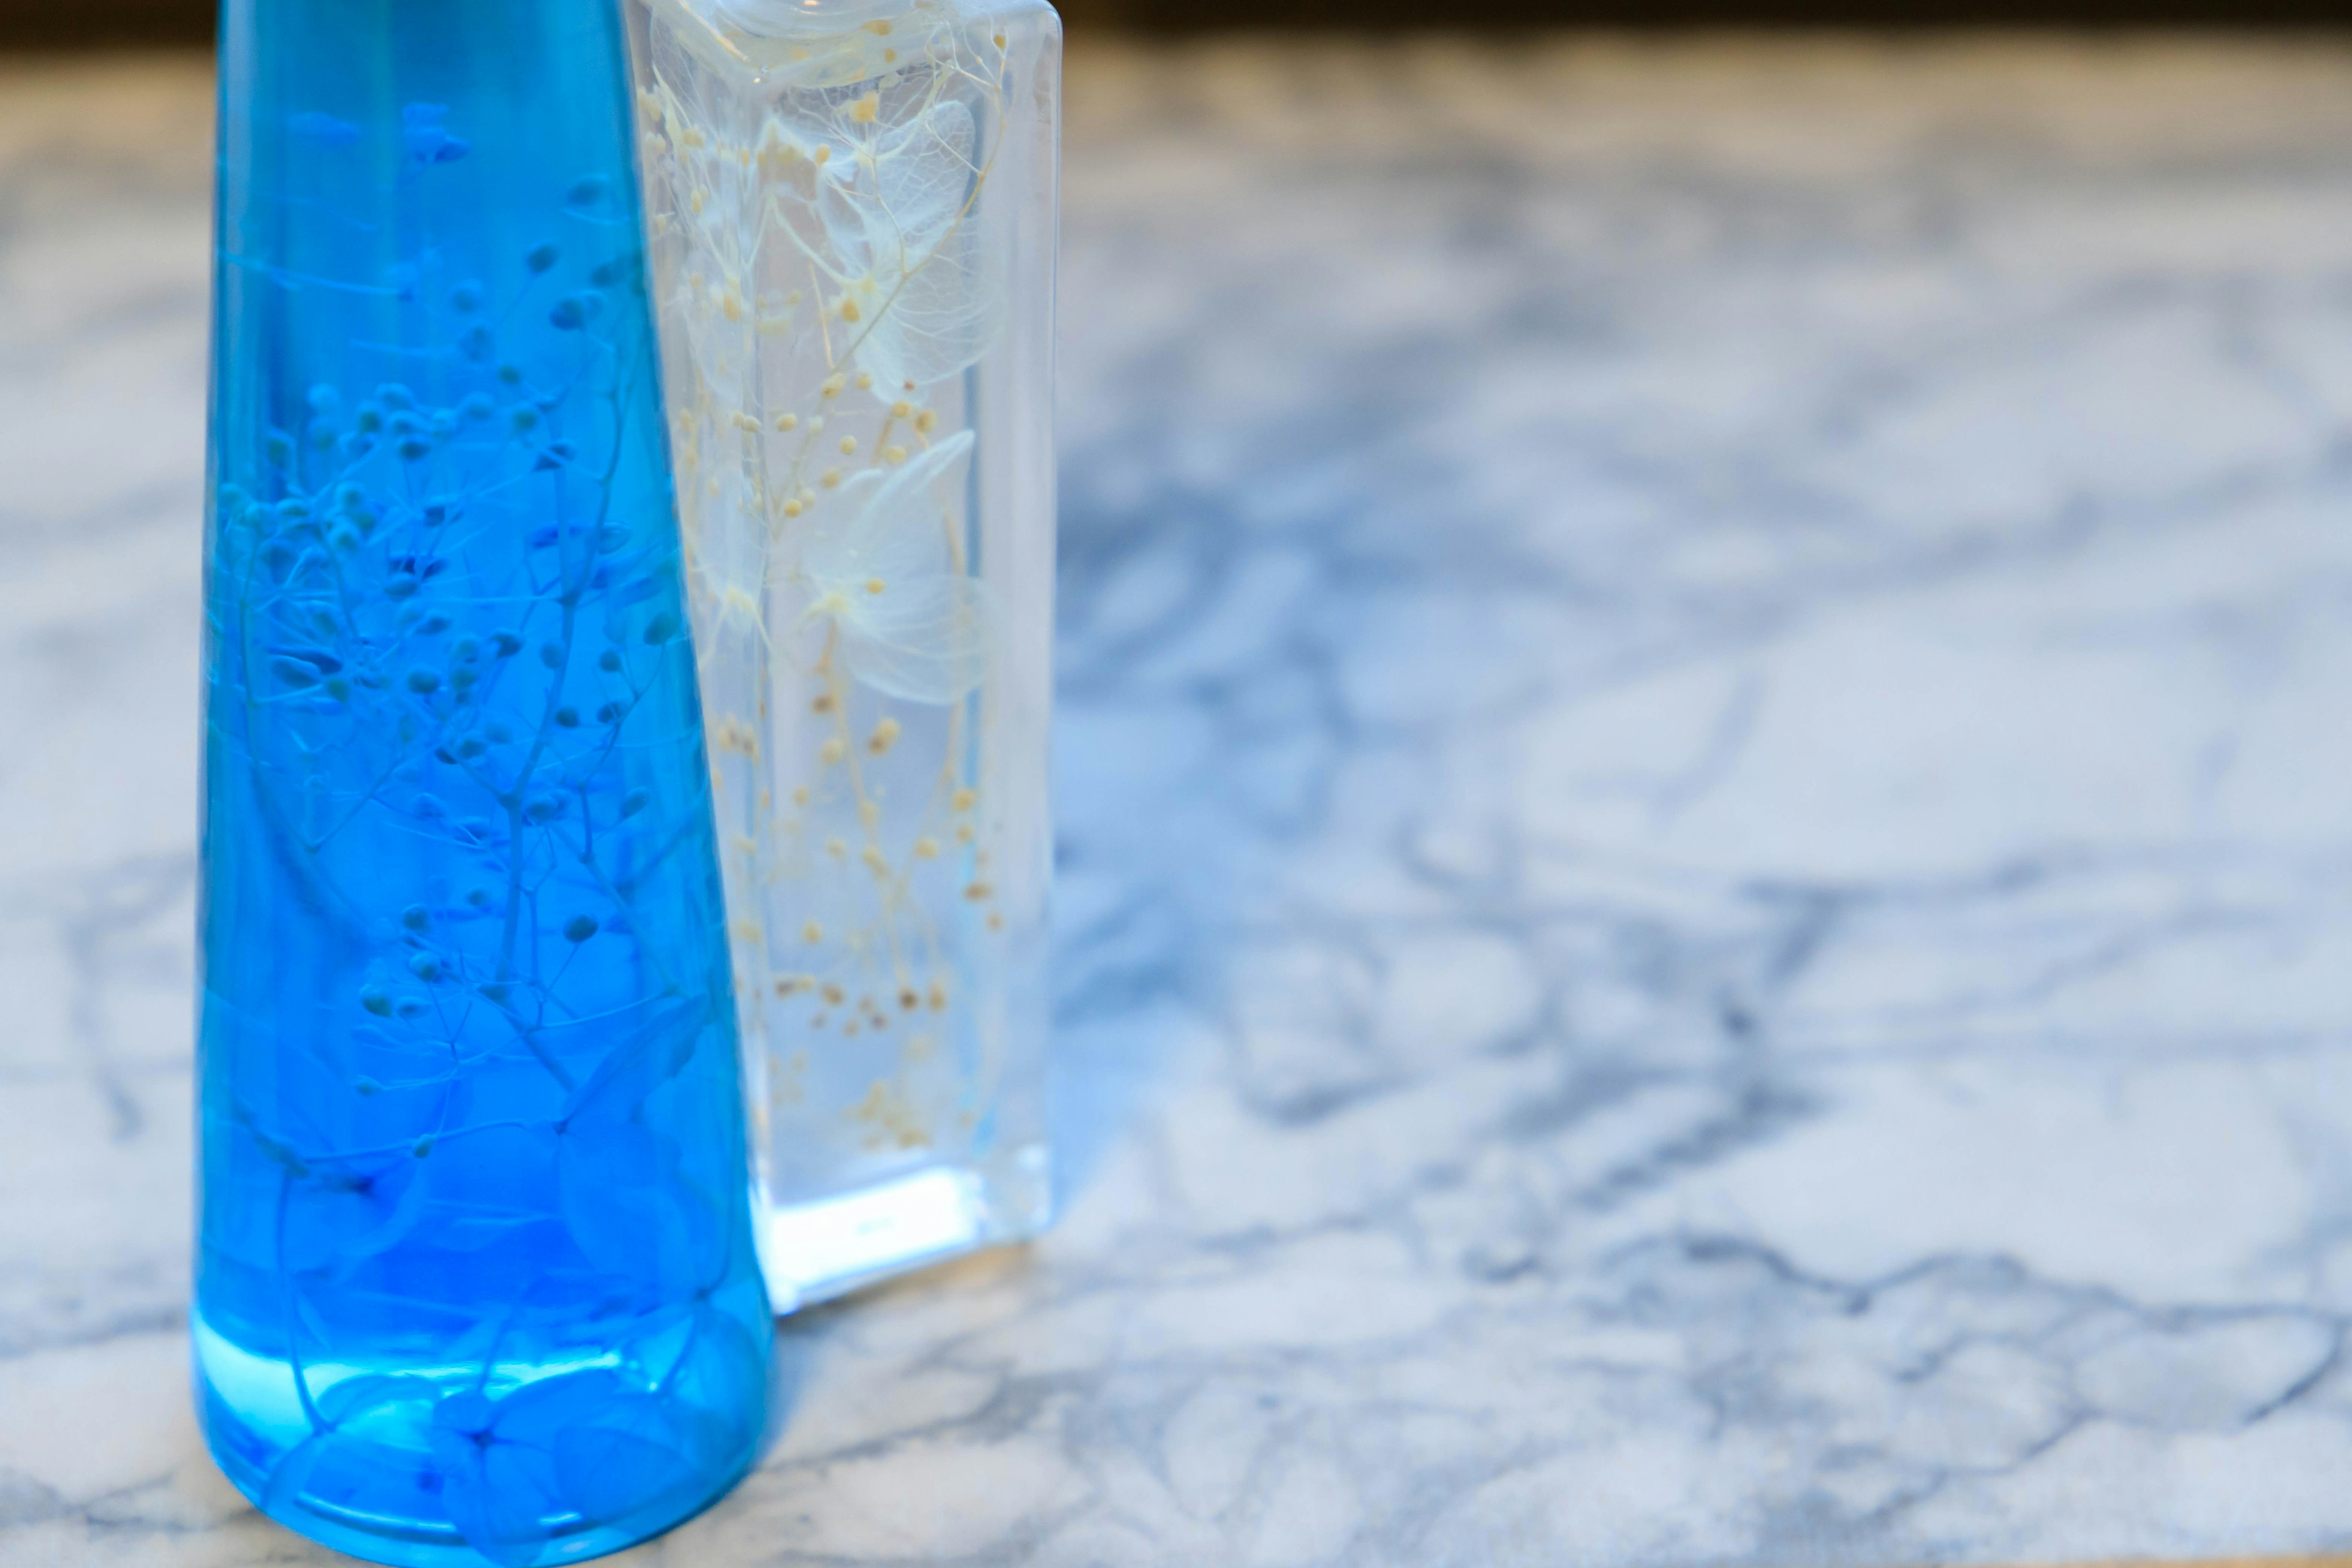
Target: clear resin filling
{"type": "Point", "coordinates": [851, 220]}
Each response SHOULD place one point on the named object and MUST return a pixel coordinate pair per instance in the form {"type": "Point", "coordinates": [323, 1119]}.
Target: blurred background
{"type": "Point", "coordinates": [43, 22]}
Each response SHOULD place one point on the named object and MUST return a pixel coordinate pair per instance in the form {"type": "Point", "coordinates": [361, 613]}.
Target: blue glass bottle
{"type": "Point", "coordinates": [476, 1274]}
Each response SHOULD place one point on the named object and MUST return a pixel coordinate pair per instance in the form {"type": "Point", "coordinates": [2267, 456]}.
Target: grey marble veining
{"type": "Point", "coordinates": [1706, 902]}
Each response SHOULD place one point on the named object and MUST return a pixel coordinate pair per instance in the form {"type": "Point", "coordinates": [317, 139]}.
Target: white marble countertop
{"type": "Point", "coordinates": [1708, 815]}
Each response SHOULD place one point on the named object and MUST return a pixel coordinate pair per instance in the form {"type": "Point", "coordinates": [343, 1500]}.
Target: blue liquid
{"type": "Point", "coordinates": [476, 1278]}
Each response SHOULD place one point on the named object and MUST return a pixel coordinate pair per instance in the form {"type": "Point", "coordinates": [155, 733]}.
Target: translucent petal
{"type": "Point", "coordinates": [924, 176]}
{"type": "Point", "coordinates": [633, 1070]}
{"type": "Point", "coordinates": [793, 49]}
{"type": "Point", "coordinates": [631, 1208]}
{"type": "Point", "coordinates": [927, 639]}
{"type": "Point", "coordinates": [369, 1455]}
{"type": "Point", "coordinates": [897, 218]}
{"type": "Point", "coordinates": [939, 312]}
{"type": "Point", "coordinates": [626, 1455]}
{"type": "Point", "coordinates": [355, 1397]}
{"type": "Point", "coordinates": [290, 1478]}
{"type": "Point", "coordinates": [351, 1210]}
{"type": "Point", "coordinates": [501, 1463]}
{"type": "Point", "coordinates": [887, 523]}
{"type": "Point", "coordinates": [719, 1361]}
{"type": "Point", "coordinates": [942, 320]}
{"type": "Point", "coordinates": [501, 1496]}
{"type": "Point", "coordinates": [490, 1195]}
{"type": "Point", "coordinates": [538, 1412]}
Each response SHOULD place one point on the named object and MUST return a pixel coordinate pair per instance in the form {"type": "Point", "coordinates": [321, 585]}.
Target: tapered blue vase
{"type": "Point", "coordinates": [475, 1276]}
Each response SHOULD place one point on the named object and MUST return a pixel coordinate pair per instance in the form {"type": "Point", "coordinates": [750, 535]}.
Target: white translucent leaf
{"type": "Point", "coordinates": [728, 546]}
{"type": "Point", "coordinates": [887, 523]}
{"type": "Point", "coordinates": [931, 309]}
{"type": "Point", "coordinates": [939, 323]}
{"type": "Point", "coordinates": [923, 175]}
{"type": "Point", "coordinates": [928, 640]}
{"type": "Point", "coordinates": [794, 45]}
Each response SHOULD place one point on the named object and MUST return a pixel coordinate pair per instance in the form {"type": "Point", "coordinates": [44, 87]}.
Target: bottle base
{"type": "Point", "coordinates": [379, 1484]}
{"type": "Point", "coordinates": [823, 1247]}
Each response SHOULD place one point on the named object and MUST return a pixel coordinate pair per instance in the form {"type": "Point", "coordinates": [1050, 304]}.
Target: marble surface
{"type": "Point", "coordinates": [1706, 911]}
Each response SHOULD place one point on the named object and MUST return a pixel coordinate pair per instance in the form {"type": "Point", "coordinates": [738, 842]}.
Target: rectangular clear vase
{"type": "Point", "coordinates": [851, 211]}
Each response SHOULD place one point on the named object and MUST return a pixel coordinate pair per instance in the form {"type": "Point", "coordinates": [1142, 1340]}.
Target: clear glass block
{"type": "Point", "coordinates": [850, 210]}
